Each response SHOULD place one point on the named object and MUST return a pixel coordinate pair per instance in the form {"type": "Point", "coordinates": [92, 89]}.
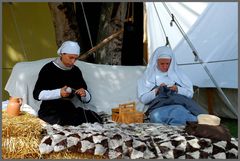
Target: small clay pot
{"type": "Point", "coordinates": [13, 107]}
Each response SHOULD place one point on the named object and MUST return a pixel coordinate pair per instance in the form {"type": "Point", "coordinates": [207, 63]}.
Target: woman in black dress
{"type": "Point", "coordinates": [58, 82]}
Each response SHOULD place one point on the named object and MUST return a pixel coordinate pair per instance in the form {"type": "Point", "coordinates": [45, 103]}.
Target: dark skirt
{"type": "Point", "coordinates": [63, 112]}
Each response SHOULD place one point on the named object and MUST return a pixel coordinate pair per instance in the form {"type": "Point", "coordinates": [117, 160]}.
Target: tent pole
{"type": "Point", "coordinates": [229, 104]}
{"type": "Point", "coordinates": [235, 112]}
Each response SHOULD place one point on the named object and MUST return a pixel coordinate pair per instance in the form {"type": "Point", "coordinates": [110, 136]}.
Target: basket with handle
{"type": "Point", "coordinates": [127, 113]}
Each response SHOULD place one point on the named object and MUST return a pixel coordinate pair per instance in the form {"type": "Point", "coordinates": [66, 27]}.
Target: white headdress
{"type": "Point", "coordinates": [147, 81]}
{"type": "Point", "coordinates": [69, 47]}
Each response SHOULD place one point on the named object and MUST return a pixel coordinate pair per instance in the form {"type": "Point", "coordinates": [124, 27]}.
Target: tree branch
{"type": "Point", "coordinates": [101, 44]}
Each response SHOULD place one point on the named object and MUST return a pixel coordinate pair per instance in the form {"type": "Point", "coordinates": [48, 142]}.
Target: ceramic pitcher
{"type": "Point", "coordinates": [13, 107]}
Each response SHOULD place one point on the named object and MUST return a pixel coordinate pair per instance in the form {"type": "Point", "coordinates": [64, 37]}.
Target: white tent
{"type": "Point", "coordinates": [212, 29]}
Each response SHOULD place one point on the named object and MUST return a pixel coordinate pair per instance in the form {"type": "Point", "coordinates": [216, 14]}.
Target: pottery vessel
{"type": "Point", "coordinates": [13, 107]}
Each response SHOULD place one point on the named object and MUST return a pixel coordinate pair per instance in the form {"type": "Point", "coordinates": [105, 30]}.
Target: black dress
{"type": "Point", "coordinates": [62, 111]}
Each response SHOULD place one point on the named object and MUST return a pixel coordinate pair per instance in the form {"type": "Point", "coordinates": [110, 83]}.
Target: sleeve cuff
{"type": "Point", "coordinates": [86, 98]}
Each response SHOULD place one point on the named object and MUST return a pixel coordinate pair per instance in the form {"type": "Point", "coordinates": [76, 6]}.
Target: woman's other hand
{"type": "Point", "coordinates": [173, 88]}
{"type": "Point", "coordinates": [163, 84]}
{"type": "Point", "coordinates": [81, 92]}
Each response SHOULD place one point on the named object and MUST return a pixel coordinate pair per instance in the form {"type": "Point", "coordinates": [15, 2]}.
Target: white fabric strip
{"type": "Point", "coordinates": [87, 97]}
{"type": "Point", "coordinates": [50, 94]}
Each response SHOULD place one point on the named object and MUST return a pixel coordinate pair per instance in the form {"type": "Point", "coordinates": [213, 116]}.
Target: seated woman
{"type": "Point", "coordinates": [167, 91]}
{"type": "Point", "coordinates": [59, 83]}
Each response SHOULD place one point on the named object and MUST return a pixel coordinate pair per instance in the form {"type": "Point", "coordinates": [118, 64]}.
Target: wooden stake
{"type": "Point", "coordinates": [210, 100]}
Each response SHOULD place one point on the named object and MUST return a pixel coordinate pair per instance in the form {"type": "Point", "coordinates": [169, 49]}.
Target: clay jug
{"type": "Point", "coordinates": [13, 107]}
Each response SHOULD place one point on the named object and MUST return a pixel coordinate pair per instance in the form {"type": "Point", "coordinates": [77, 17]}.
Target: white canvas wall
{"type": "Point", "coordinates": [212, 29]}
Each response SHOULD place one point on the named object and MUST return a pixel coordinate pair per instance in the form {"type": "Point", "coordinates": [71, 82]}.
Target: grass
{"type": "Point", "coordinates": [232, 125]}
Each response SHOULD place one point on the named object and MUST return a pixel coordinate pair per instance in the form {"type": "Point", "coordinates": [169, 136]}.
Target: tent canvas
{"type": "Point", "coordinates": [122, 81]}
{"type": "Point", "coordinates": [212, 29]}
{"type": "Point", "coordinates": [212, 42]}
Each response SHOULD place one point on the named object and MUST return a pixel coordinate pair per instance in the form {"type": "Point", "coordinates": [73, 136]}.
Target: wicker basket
{"type": "Point", "coordinates": [127, 113]}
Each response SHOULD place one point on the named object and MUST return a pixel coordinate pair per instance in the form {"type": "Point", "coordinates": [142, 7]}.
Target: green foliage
{"type": "Point", "coordinates": [232, 125]}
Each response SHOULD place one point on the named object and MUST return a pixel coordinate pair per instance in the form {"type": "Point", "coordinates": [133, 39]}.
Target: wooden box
{"type": "Point", "coordinates": [127, 113]}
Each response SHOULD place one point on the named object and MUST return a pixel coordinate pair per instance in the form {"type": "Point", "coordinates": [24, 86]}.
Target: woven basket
{"type": "Point", "coordinates": [127, 113]}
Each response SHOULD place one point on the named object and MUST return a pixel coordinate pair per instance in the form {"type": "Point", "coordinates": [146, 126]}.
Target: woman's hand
{"type": "Point", "coordinates": [163, 84]}
{"type": "Point", "coordinates": [173, 88]}
{"type": "Point", "coordinates": [81, 92]}
{"type": "Point", "coordinates": [64, 92]}
{"type": "Point", "coordinates": [157, 90]}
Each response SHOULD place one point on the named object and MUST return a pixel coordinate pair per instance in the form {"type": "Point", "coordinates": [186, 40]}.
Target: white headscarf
{"type": "Point", "coordinates": [69, 47]}
{"type": "Point", "coordinates": [148, 80]}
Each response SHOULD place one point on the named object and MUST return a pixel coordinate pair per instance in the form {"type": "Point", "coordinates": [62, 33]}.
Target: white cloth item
{"type": "Point", "coordinates": [28, 109]}
{"type": "Point", "coordinates": [208, 119]}
{"type": "Point", "coordinates": [163, 78]}
{"type": "Point", "coordinates": [148, 81]}
{"type": "Point", "coordinates": [69, 47]}
{"type": "Point", "coordinates": [106, 94]}
{"type": "Point", "coordinates": [87, 97]}
{"type": "Point", "coordinates": [148, 97]}
{"type": "Point", "coordinates": [4, 104]}
{"type": "Point", "coordinates": [55, 94]}
{"type": "Point", "coordinates": [58, 62]}
{"type": "Point", "coordinates": [185, 91]}
{"type": "Point", "coordinates": [165, 56]}
{"type": "Point", "coordinates": [49, 94]}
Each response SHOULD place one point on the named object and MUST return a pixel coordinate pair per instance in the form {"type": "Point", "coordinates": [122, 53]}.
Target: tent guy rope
{"type": "Point", "coordinates": [197, 58]}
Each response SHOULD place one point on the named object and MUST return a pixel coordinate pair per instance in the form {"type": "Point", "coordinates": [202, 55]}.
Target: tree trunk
{"type": "Point", "coordinates": [132, 47]}
{"type": "Point", "coordinates": [111, 20]}
{"type": "Point", "coordinates": [65, 22]}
